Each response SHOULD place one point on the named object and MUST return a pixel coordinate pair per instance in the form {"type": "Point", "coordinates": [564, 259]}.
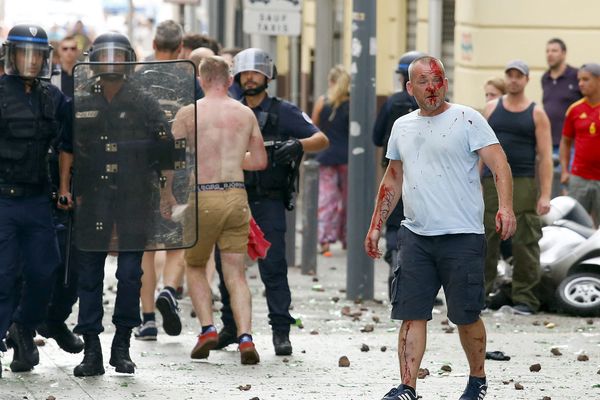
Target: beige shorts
{"type": "Point", "coordinates": [223, 219]}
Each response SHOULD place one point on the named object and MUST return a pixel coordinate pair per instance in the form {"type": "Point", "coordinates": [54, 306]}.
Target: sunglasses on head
{"type": "Point", "coordinates": [74, 48]}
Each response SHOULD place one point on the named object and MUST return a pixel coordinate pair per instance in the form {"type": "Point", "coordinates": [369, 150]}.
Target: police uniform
{"type": "Point", "coordinates": [29, 122]}
{"type": "Point", "coordinates": [279, 120]}
{"type": "Point", "coordinates": [116, 175]}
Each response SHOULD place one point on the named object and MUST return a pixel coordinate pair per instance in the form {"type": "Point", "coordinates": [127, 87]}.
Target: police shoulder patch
{"type": "Point", "coordinates": [306, 117]}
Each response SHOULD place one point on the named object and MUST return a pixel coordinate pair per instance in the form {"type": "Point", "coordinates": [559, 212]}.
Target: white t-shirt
{"type": "Point", "coordinates": [441, 187]}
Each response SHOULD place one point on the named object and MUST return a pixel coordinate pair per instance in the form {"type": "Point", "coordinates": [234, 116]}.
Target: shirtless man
{"type": "Point", "coordinates": [229, 141]}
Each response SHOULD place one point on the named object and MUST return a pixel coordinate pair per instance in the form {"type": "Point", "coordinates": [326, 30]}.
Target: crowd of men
{"type": "Point", "coordinates": [181, 152]}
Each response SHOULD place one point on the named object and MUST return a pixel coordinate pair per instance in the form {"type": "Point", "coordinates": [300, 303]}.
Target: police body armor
{"type": "Point", "coordinates": [24, 140]}
{"type": "Point", "coordinates": [277, 181]}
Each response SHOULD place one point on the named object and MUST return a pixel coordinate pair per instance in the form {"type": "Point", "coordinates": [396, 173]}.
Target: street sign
{"type": "Point", "coordinates": [273, 17]}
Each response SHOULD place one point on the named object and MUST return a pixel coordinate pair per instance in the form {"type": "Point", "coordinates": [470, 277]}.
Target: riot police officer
{"type": "Point", "coordinates": [118, 130]}
{"type": "Point", "coordinates": [287, 133]}
{"type": "Point", "coordinates": [397, 105]}
{"type": "Point", "coordinates": [33, 113]}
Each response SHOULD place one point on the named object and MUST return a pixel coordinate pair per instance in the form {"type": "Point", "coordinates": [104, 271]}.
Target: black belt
{"type": "Point", "coordinates": [20, 190]}
{"type": "Point", "coordinates": [202, 187]}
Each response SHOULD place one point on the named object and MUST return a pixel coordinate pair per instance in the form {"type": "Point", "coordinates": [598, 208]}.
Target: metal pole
{"type": "Point", "coordinates": [361, 156]}
{"type": "Point", "coordinates": [310, 211]}
{"type": "Point", "coordinates": [435, 27]}
{"type": "Point", "coordinates": [323, 52]}
{"type": "Point", "coordinates": [130, 11]}
{"type": "Point", "coordinates": [290, 235]}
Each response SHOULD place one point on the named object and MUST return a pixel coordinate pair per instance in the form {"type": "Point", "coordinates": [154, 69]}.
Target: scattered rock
{"type": "Point", "coordinates": [318, 288]}
{"type": "Point", "coordinates": [583, 357]}
{"type": "Point", "coordinates": [332, 268]}
{"type": "Point", "coordinates": [546, 398]}
{"type": "Point", "coordinates": [590, 321]}
{"type": "Point", "coordinates": [384, 349]}
{"type": "Point", "coordinates": [358, 301]}
{"type": "Point", "coordinates": [255, 398]}
{"type": "Point", "coordinates": [448, 329]}
{"type": "Point", "coordinates": [354, 319]}
{"type": "Point", "coordinates": [193, 314]}
{"type": "Point", "coordinates": [364, 348]}
{"type": "Point", "coordinates": [550, 325]}
{"type": "Point", "coordinates": [535, 368]}
{"type": "Point", "coordinates": [314, 332]}
{"type": "Point", "coordinates": [245, 388]}
{"type": "Point", "coordinates": [50, 398]}
{"type": "Point", "coordinates": [536, 323]}
{"type": "Point", "coordinates": [378, 301]}
{"type": "Point", "coordinates": [106, 302]}
{"type": "Point", "coordinates": [423, 372]}
{"type": "Point", "coordinates": [518, 386]}
{"type": "Point", "coordinates": [376, 319]}
{"type": "Point", "coordinates": [444, 322]}
{"type": "Point", "coordinates": [303, 352]}
{"type": "Point", "coordinates": [315, 279]}
{"type": "Point", "coordinates": [39, 342]}
{"type": "Point", "coordinates": [368, 328]}
{"type": "Point", "coordinates": [507, 382]}
{"type": "Point", "coordinates": [286, 360]}
{"type": "Point", "coordinates": [556, 351]}
{"type": "Point", "coordinates": [346, 311]}
{"type": "Point", "coordinates": [344, 362]}
{"type": "Point", "coordinates": [446, 368]}
{"type": "Point", "coordinates": [335, 299]}
{"type": "Point", "coordinates": [252, 277]}
{"type": "Point", "coordinates": [342, 290]}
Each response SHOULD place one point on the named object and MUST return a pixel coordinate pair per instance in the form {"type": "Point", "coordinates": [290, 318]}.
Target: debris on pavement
{"type": "Point", "coordinates": [535, 368]}
{"type": "Point", "coordinates": [344, 362]}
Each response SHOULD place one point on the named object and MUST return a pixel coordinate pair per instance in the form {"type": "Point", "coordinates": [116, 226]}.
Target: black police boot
{"type": "Point", "coordinates": [119, 352]}
{"type": "Point", "coordinates": [227, 336]}
{"type": "Point", "coordinates": [63, 336]}
{"type": "Point", "coordinates": [281, 342]}
{"type": "Point", "coordinates": [92, 363]}
{"type": "Point", "coordinates": [25, 355]}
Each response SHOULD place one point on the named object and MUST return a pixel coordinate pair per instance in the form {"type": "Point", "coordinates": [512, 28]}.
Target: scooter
{"type": "Point", "coordinates": [570, 258]}
{"type": "Point", "coordinates": [569, 261]}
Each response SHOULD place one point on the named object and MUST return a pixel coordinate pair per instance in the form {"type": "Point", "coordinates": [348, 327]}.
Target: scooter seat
{"type": "Point", "coordinates": [575, 227]}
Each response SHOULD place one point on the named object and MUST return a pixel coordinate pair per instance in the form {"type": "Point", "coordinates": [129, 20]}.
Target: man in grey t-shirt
{"type": "Point", "coordinates": [434, 154]}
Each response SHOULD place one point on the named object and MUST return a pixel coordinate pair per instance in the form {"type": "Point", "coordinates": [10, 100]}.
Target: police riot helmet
{"type": "Point", "coordinates": [254, 59]}
{"type": "Point", "coordinates": [406, 59]}
{"type": "Point", "coordinates": [27, 52]}
{"type": "Point", "coordinates": [112, 49]}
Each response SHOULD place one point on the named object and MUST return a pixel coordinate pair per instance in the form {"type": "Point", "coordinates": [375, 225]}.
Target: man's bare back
{"type": "Point", "coordinates": [226, 131]}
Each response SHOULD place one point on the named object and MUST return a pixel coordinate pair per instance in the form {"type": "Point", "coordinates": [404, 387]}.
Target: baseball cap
{"type": "Point", "coordinates": [519, 66]}
{"type": "Point", "coordinates": [592, 68]}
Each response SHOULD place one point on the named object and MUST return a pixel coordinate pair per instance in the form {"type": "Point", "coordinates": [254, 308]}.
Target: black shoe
{"type": "Point", "coordinates": [281, 342]}
{"type": "Point", "coordinates": [66, 340]}
{"type": "Point", "coordinates": [92, 364]}
{"type": "Point", "coordinates": [119, 352]}
{"type": "Point", "coordinates": [167, 305]}
{"type": "Point", "coordinates": [402, 392]}
{"type": "Point", "coordinates": [475, 390]}
{"type": "Point", "coordinates": [227, 336]}
{"type": "Point", "coordinates": [25, 355]}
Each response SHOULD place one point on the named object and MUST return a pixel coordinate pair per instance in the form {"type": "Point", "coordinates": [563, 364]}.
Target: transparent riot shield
{"type": "Point", "coordinates": [134, 147]}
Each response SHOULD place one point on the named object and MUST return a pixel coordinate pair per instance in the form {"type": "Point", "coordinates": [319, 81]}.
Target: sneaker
{"type": "Point", "coordinates": [146, 331]}
{"type": "Point", "coordinates": [248, 353]}
{"type": "Point", "coordinates": [227, 336]}
{"type": "Point", "coordinates": [475, 390]}
{"type": "Point", "coordinates": [402, 392]}
{"type": "Point", "coordinates": [166, 304]}
{"type": "Point", "coordinates": [522, 309]}
{"type": "Point", "coordinates": [206, 342]}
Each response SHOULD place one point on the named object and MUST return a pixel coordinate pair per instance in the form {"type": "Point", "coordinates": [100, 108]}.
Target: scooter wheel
{"type": "Point", "coordinates": [579, 294]}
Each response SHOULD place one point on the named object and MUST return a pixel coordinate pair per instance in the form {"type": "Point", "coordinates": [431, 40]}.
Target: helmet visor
{"type": "Point", "coordinates": [28, 60]}
{"type": "Point", "coordinates": [111, 58]}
